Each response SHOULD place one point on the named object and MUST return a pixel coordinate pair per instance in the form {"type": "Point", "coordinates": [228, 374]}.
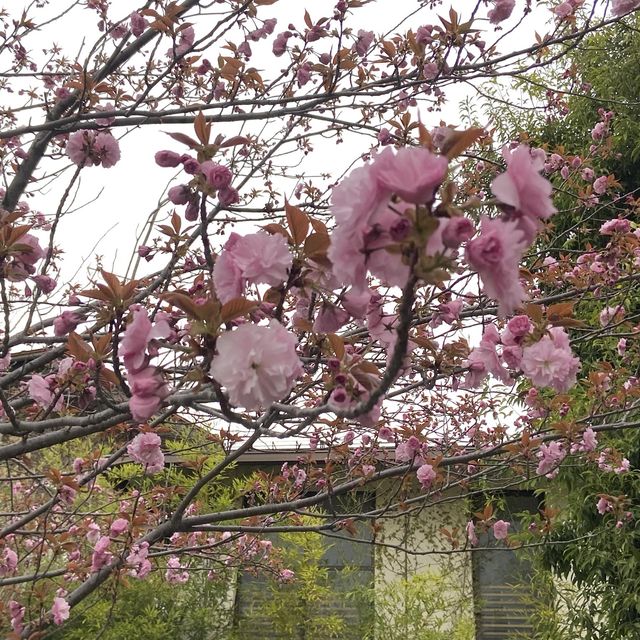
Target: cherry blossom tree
{"type": "Point", "coordinates": [401, 308]}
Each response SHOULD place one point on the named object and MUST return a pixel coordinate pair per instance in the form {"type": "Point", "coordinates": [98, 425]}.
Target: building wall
{"type": "Point", "coordinates": [419, 577]}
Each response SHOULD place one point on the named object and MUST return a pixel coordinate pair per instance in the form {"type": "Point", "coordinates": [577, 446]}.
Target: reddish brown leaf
{"type": "Point", "coordinates": [298, 223]}
{"type": "Point", "coordinates": [236, 308]}
{"type": "Point", "coordinates": [78, 348]}
{"type": "Point", "coordinates": [316, 244]}
{"type": "Point", "coordinates": [274, 227]}
{"type": "Point", "coordinates": [184, 139]}
{"type": "Point", "coordinates": [183, 302]}
{"type": "Point", "coordinates": [459, 141]}
{"type": "Point", "coordinates": [113, 283]}
{"type": "Point", "coordinates": [337, 344]}
{"type": "Point", "coordinates": [200, 127]}
{"type": "Point", "coordinates": [559, 311]}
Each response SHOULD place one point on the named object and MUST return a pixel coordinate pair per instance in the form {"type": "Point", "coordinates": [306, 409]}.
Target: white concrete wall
{"type": "Point", "coordinates": [419, 577]}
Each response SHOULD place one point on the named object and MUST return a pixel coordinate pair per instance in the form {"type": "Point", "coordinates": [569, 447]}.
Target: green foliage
{"type": "Point", "coordinates": [425, 606]}
{"type": "Point", "coordinates": [593, 593]}
{"type": "Point", "coordinates": [153, 609]}
{"type": "Point", "coordinates": [309, 606]}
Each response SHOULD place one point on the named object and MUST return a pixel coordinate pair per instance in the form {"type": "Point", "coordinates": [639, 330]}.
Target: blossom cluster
{"type": "Point", "coordinates": [148, 389]}
{"type": "Point", "coordinates": [209, 178]}
{"type": "Point", "coordinates": [547, 362]}
{"type": "Point", "coordinates": [88, 147]}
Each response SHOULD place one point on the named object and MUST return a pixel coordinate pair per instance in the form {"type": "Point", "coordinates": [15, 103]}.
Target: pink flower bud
{"type": "Point", "coordinates": [46, 283]}
{"type": "Point", "coordinates": [167, 158]}
{"type": "Point", "coordinates": [179, 194]}
{"type": "Point", "coordinates": [66, 322]}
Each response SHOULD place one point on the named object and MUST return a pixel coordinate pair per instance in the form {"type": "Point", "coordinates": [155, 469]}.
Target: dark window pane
{"type": "Point", "coordinates": [500, 578]}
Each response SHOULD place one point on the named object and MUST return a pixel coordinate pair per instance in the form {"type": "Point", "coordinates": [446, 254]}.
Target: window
{"type": "Point", "coordinates": [338, 565]}
{"type": "Point", "coordinates": [500, 578]}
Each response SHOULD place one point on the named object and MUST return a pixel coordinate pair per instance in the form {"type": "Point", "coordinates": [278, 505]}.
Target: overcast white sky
{"type": "Point", "coordinates": [119, 200]}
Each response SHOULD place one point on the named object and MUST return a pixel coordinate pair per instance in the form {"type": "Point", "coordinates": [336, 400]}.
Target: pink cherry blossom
{"type": "Point", "coordinates": [587, 174]}
{"type": "Point", "coordinates": [79, 147]}
{"type": "Point", "coordinates": [386, 433]}
{"type": "Point", "coordinates": [588, 442]}
{"type": "Point", "coordinates": [87, 147]}
{"type": "Point", "coordinates": [470, 530]}
{"type": "Point", "coordinates": [501, 529]}
{"type": "Point", "coordinates": [138, 559]}
{"type": "Point", "coordinates": [176, 574]}
{"type": "Point", "coordinates": [106, 149]}
{"type": "Point", "coordinates": [46, 283]}
{"type": "Point", "coordinates": [524, 191]}
{"type": "Point", "coordinates": [424, 34]}
{"type": "Point", "coordinates": [60, 610]}
{"type": "Point", "coordinates": [67, 494]}
{"type": "Point", "coordinates": [66, 322]}
{"type": "Point", "coordinates": [118, 527]}
{"type": "Point", "coordinates": [495, 254]}
{"type": "Point", "coordinates": [619, 7]}
{"type": "Point", "coordinates": [623, 467]}
{"type": "Point", "coordinates": [346, 252]}
{"type": "Point", "coordinates": [512, 356]}
{"type": "Point", "coordinates": [8, 562]}
{"type": "Point", "coordinates": [617, 225]}
{"type": "Point", "coordinates": [263, 258]}
{"type": "Point", "coordinates": [412, 173]}
{"type": "Point", "coordinates": [389, 267]}
{"type": "Point", "coordinates": [257, 258]}
{"type": "Point", "coordinates": [138, 334]}
{"type": "Point", "coordinates": [406, 451]}
{"type": "Point", "coordinates": [517, 328]}
{"type": "Point", "coordinates": [611, 315]}
{"type": "Point", "coordinates": [166, 158]}
{"type": "Point", "coordinates": [502, 10]}
{"type": "Point", "coordinates": [430, 71]}
{"type": "Point", "coordinates": [365, 38]}
{"type": "Point", "coordinates": [27, 252]}
{"type": "Point", "coordinates": [455, 231]}
{"type": "Point", "coordinates": [148, 390]}
{"type": "Point", "coordinates": [16, 611]}
{"type": "Point", "coordinates": [357, 197]}
{"type": "Point", "coordinates": [179, 194]}
{"type": "Point", "coordinates": [186, 38]}
{"type": "Point", "coordinates": [330, 318]}
{"type": "Point", "coordinates": [258, 365]}
{"type": "Point", "coordinates": [484, 360]}
{"type": "Point", "coordinates": [622, 346]}
{"type": "Point", "coordinates": [39, 390]}
{"type": "Point", "coordinates": [550, 361]}
{"type": "Point", "coordinates": [303, 75]}
{"type": "Point", "coordinates": [564, 9]}
{"type": "Point", "coordinates": [138, 24]}
{"type": "Point", "coordinates": [228, 196]}
{"type": "Point", "coordinates": [145, 449]}
{"type": "Point", "coordinates": [101, 556]}
{"type": "Point", "coordinates": [227, 277]}
{"type": "Point", "coordinates": [216, 175]}
{"type": "Point", "coordinates": [355, 201]}
{"type": "Point", "coordinates": [448, 312]}
{"type": "Point", "coordinates": [356, 303]}
{"type": "Point", "coordinates": [603, 506]}
{"type": "Point", "coordinates": [426, 475]}
{"type": "Point", "coordinates": [550, 456]}
{"type": "Point", "coordinates": [600, 185]}
{"type": "Point", "coordinates": [280, 43]}
{"type": "Point", "coordinates": [286, 575]}
{"type": "Point", "coordinates": [93, 533]}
